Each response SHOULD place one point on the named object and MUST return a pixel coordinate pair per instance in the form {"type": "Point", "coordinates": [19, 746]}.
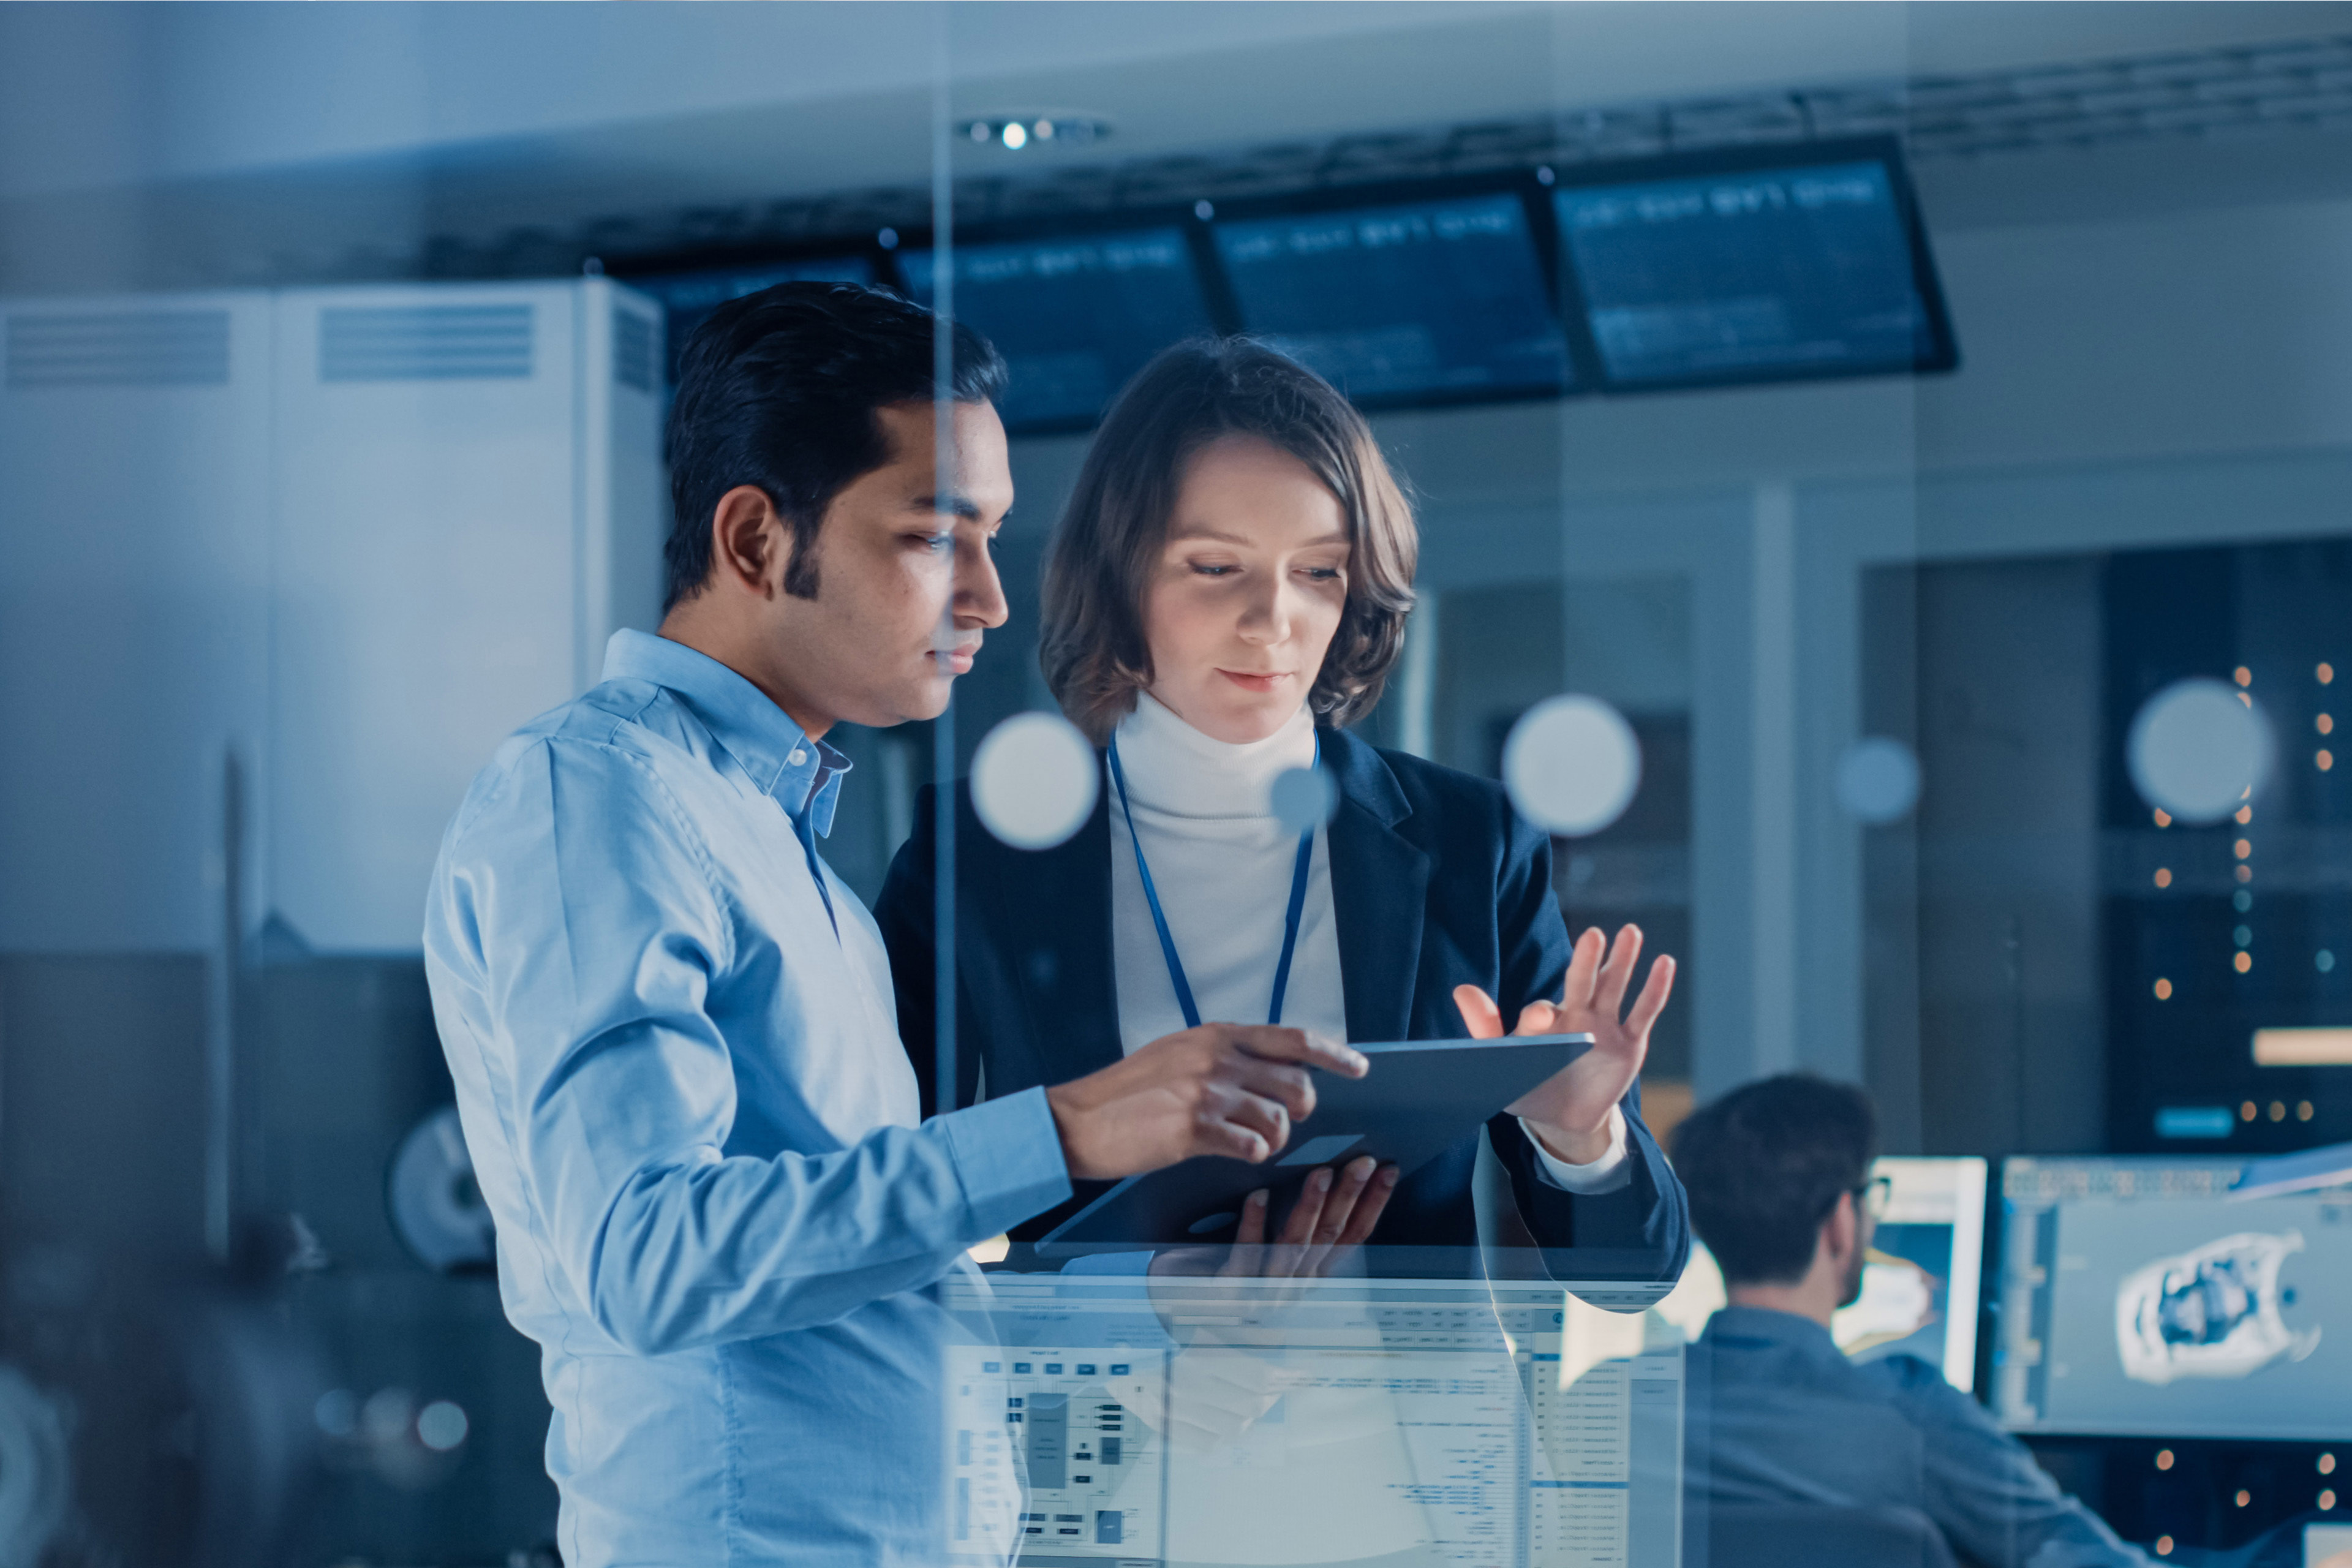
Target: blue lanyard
{"type": "Point", "coordinates": [1160, 921]}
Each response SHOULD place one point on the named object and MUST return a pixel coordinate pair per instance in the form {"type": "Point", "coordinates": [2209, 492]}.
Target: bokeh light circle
{"type": "Point", "coordinates": [1303, 799]}
{"type": "Point", "coordinates": [1033, 780]}
{"type": "Point", "coordinates": [442, 1426]}
{"type": "Point", "coordinates": [2199, 750]}
{"type": "Point", "coordinates": [1571, 765]}
{"type": "Point", "coordinates": [1877, 780]}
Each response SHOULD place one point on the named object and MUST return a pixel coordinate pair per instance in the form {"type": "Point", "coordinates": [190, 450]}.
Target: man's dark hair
{"type": "Point", "coordinates": [1764, 1164]}
{"type": "Point", "coordinates": [779, 389]}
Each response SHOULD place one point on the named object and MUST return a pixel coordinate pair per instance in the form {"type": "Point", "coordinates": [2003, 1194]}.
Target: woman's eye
{"type": "Point", "coordinates": [1323, 574]}
{"type": "Point", "coordinates": [1212, 569]}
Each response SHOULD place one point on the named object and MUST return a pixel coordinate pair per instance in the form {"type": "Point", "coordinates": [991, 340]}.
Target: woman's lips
{"type": "Point", "coordinates": [1249, 683]}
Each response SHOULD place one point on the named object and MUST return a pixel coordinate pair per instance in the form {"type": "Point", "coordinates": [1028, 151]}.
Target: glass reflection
{"type": "Point", "coordinates": [1923, 428]}
{"type": "Point", "coordinates": [1171, 1410]}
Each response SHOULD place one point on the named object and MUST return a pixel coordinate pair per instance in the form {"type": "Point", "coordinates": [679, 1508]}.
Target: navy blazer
{"type": "Point", "coordinates": [1435, 881]}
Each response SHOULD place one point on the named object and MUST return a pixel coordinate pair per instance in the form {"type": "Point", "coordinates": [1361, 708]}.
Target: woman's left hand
{"type": "Point", "coordinates": [1569, 1111]}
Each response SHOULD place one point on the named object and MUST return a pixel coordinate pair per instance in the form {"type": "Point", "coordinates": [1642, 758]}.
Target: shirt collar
{"type": "Point", "coordinates": [1765, 1326]}
{"type": "Point", "coordinates": [776, 754]}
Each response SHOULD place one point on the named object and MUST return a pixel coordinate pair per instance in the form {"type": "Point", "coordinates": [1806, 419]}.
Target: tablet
{"type": "Point", "coordinates": [1418, 1097]}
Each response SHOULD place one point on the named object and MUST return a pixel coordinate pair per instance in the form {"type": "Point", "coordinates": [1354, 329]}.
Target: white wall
{"type": "Point", "coordinates": [355, 581]}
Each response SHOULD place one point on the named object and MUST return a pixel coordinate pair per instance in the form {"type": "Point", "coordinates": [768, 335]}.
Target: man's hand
{"type": "Point", "coordinates": [1222, 1089]}
{"type": "Point", "coordinates": [1569, 1111]}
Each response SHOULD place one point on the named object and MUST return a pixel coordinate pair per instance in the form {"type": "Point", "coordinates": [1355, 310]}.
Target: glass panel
{"type": "Point", "coordinates": [578, 982]}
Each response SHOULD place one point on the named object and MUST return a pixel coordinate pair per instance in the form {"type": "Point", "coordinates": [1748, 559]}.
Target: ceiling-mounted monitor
{"type": "Point", "coordinates": [1754, 265]}
{"type": "Point", "coordinates": [1074, 315]}
{"type": "Point", "coordinates": [688, 296]}
{"type": "Point", "coordinates": [1424, 301]}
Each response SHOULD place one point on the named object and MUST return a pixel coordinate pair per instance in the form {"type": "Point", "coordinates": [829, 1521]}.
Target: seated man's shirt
{"type": "Point", "coordinates": [1778, 1415]}
{"type": "Point", "coordinates": [673, 1042]}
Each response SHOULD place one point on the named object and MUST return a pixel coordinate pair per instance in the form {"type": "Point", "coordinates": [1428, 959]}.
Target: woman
{"type": "Point", "coordinates": [1228, 588]}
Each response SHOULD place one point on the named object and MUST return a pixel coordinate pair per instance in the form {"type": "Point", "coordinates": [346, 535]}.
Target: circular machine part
{"type": "Point", "coordinates": [436, 1209]}
{"type": "Point", "coordinates": [182, 1405]}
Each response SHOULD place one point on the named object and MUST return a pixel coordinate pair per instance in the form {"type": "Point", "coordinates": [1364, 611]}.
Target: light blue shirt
{"type": "Point", "coordinates": [687, 1107]}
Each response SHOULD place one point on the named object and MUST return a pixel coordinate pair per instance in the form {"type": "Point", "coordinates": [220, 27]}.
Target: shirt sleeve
{"type": "Point", "coordinates": [1611, 1172]}
{"type": "Point", "coordinates": [577, 929]}
{"type": "Point", "coordinates": [1995, 1504]}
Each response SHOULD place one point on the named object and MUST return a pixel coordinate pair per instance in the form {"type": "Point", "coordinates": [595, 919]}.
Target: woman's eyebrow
{"type": "Point", "coordinates": [1339, 537]}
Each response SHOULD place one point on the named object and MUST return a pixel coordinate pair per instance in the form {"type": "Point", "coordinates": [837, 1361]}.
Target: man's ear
{"type": "Point", "coordinates": [749, 546]}
{"type": "Point", "coordinates": [1842, 1231]}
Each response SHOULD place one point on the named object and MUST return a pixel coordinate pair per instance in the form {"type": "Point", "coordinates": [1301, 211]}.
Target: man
{"type": "Point", "coordinates": [1779, 1185]}
{"type": "Point", "coordinates": [670, 1024]}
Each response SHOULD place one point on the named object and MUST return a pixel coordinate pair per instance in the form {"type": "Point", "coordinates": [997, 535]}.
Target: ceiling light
{"type": "Point", "coordinates": [1013, 132]}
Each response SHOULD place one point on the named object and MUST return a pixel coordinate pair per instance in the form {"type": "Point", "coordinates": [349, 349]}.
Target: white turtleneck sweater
{"type": "Point", "coordinates": [1222, 863]}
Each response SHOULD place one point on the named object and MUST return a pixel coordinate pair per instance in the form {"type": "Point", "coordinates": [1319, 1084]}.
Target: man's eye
{"type": "Point", "coordinates": [934, 542]}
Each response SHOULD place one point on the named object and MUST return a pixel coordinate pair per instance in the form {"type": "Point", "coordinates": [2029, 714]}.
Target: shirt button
{"type": "Point", "coordinates": [799, 755]}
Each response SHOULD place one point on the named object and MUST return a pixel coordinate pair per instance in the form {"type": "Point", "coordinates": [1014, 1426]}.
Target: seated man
{"type": "Point", "coordinates": [1778, 1176]}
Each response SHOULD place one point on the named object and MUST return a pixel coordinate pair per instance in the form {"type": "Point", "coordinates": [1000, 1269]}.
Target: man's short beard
{"type": "Point", "coordinates": [1850, 1291]}
{"type": "Point", "coordinates": [801, 570]}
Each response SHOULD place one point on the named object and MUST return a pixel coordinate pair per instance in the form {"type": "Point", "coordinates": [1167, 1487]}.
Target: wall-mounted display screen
{"type": "Point", "coordinates": [1769, 273]}
{"type": "Point", "coordinates": [1398, 303]}
{"type": "Point", "coordinates": [2140, 1298]}
{"type": "Point", "coordinates": [688, 298]}
{"type": "Point", "coordinates": [1074, 317]}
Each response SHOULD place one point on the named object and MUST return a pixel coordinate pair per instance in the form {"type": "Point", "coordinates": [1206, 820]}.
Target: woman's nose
{"type": "Point", "coordinates": [1267, 618]}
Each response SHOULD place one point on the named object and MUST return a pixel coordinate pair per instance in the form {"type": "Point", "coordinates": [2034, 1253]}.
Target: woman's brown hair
{"type": "Point", "coordinates": [1093, 647]}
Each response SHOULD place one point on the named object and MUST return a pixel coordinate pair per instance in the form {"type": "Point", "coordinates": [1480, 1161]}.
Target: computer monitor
{"type": "Point", "coordinates": [2139, 1298]}
{"type": "Point", "coordinates": [1074, 316]}
{"type": "Point", "coordinates": [1798, 262]}
{"type": "Point", "coordinates": [1147, 1422]}
{"type": "Point", "coordinates": [1411, 301]}
{"type": "Point", "coordinates": [1919, 1279]}
{"type": "Point", "coordinates": [687, 298]}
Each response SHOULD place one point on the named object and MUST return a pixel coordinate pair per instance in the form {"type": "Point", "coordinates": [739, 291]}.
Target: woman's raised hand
{"type": "Point", "coordinates": [1569, 1111]}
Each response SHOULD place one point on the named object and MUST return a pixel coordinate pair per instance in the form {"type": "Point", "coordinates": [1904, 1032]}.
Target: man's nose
{"type": "Point", "coordinates": [980, 592]}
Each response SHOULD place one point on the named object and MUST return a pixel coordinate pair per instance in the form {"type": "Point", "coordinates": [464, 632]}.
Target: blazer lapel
{"type": "Point", "coordinates": [1054, 926]}
{"type": "Point", "coordinates": [1379, 882]}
